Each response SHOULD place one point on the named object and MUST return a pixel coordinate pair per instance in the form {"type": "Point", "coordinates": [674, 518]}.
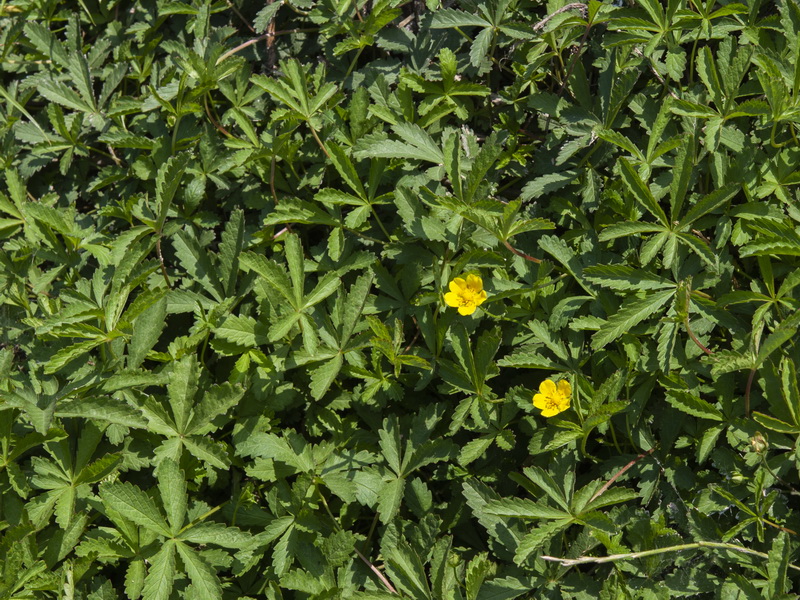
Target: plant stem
{"type": "Point", "coordinates": [319, 141]}
{"type": "Point", "coordinates": [569, 562]}
{"type": "Point", "coordinates": [366, 561]}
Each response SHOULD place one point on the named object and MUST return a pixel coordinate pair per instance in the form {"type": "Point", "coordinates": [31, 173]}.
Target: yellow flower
{"type": "Point", "coordinates": [466, 294]}
{"type": "Point", "coordinates": [551, 399]}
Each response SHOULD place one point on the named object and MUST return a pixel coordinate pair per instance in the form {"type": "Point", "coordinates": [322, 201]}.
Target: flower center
{"type": "Point", "coordinates": [467, 297]}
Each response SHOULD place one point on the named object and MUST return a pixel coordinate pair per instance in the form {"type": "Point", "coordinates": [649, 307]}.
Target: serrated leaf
{"type": "Point", "coordinates": [693, 405]}
{"type": "Point", "coordinates": [537, 538]}
{"type": "Point", "coordinates": [132, 503]}
{"type": "Point", "coordinates": [107, 408]}
{"type": "Point", "coordinates": [445, 18]}
{"type": "Point", "coordinates": [168, 180]}
{"type": "Point", "coordinates": [172, 487]}
{"type": "Point", "coordinates": [201, 574]}
{"type": "Point", "coordinates": [631, 313]}
{"type": "Point", "coordinates": [159, 580]}
{"type": "Point", "coordinates": [774, 424]}
{"type": "Point", "coordinates": [641, 192]}
{"type": "Point", "coordinates": [243, 331]}
{"type": "Point", "coordinates": [524, 509]}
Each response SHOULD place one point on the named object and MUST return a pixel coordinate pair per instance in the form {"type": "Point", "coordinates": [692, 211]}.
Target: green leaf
{"type": "Point", "coordinates": [182, 389]}
{"type": "Point", "coordinates": [631, 313]}
{"type": "Point", "coordinates": [627, 228]}
{"type": "Point", "coordinates": [446, 18]}
{"type": "Point", "coordinates": [524, 509]}
{"type": "Point", "coordinates": [777, 566]}
{"type": "Point", "coordinates": [416, 145]}
{"type": "Point", "coordinates": [270, 271]}
{"type": "Point", "coordinates": [168, 180]}
{"type": "Point", "coordinates": [681, 175]}
{"type": "Point", "coordinates": [159, 580]}
{"type": "Point", "coordinates": [216, 400]}
{"type": "Point", "coordinates": [389, 499]}
{"type": "Point", "coordinates": [538, 537]}
{"type": "Point", "coordinates": [243, 331]}
{"type": "Point", "coordinates": [620, 277]}
{"type": "Point", "coordinates": [406, 570]}
{"type": "Point", "coordinates": [172, 486]}
{"type": "Point", "coordinates": [132, 503]}
{"type": "Point", "coordinates": [105, 408]}
{"type": "Point", "coordinates": [641, 192]}
{"type": "Point", "coordinates": [784, 332]}
{"type": "Point", "coordinates": [693, 405]}
{"type": "Point", "coordinates": [774, 424]}
{"type": "Point", "coordinates": [346, 169]}
{"type": "Point", "coordinates": [147, 330]}
{"type": "Point", "coordinates": [202, 575]}
{"type": "Point", "coordinates": [709, 203]}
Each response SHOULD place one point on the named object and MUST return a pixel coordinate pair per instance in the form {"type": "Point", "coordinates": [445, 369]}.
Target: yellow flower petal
{"type": "Point", "coordinates": [452, 299]}
{"type": "Point", "coordinates": [540, 401]}
{"type": "Point", "coordinates": [548, 387]}
{"type": "Point", "coordinates": [480, 298]}
{"type": "Point", "coordinates": [466, 310]}
{"type": "Point", "coordinates": [564, 388]}
{"type": "Point", "coordinates": [457, 285]}
{"type": "Point", "coordinates": [475, 282]}
{"type": "Point", "coordinates": [550, 412]}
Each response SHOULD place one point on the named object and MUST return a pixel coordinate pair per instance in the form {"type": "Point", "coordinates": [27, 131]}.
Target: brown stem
{"type": "Point", "coordinates": [522, 254]}
{"type": "Point", "coordinates": [694, 338]}
{"type": "Point", "coordinates": [375, 570]}
{"type": "Point", "coordinates": [238, 14]}
{"type": "Point", "coordinates": [272, 55]}
{"type": "Point", "coordinates": [264, 36]}
{"type": "Point", "coordinates": [161, 260]}
{"type": "Point", "coordinates": [618, 474]}
{"type": "Point", "coordinates": [416, 335]}
{"type": "Point", "coordinates": [319, 141]}
{"type": "Point", "coordinates": [219, 127]}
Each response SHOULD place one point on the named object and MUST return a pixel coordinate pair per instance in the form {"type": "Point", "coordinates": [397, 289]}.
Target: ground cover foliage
{"type": "Point", "coordinates": [228, 369]}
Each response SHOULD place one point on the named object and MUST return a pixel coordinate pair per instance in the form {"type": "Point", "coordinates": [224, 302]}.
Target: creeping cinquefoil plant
{"type": "Point", "coordinates": [376, 299]}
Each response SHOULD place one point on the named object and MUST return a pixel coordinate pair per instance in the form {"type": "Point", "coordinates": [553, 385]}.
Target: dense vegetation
{"type": "Point", "coordinates": [279, 284]}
